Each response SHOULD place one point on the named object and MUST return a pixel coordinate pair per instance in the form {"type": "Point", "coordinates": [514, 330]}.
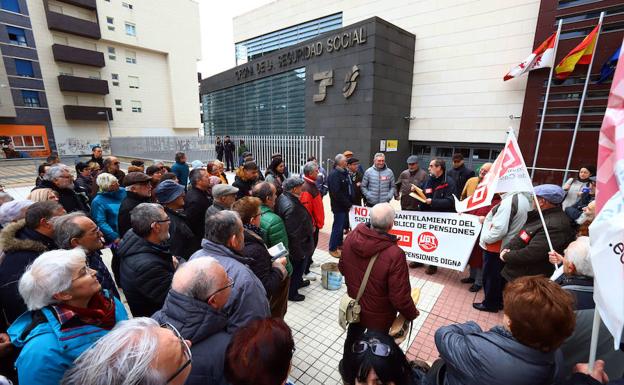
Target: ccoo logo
{"type": "Point", "coordinates": [427, 242]}
{"type": "Point", "coordinates": [404, 238]}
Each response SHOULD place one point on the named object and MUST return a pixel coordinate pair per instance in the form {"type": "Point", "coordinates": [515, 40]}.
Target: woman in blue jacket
{"type": "Point", "coordinates": [105, 206]}
{"type": "Point", "coordinates": [67, 313]}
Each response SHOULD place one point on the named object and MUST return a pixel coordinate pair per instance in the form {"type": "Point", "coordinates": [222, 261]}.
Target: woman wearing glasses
{"type": "Point", "coordinates": [68, 312]}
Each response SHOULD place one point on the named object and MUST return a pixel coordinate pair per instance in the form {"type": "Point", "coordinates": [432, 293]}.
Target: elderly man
{"type": "Point", "coordinates": [22, 242]}
{"type": "Point", "coordinates": [111, 165]}
{"type": "Point", "coordinates": [472, 183]}
{"type": "Point", "coordinates": [388, 289]}
{"type": "Point", "coordinates": [578, 274]}
{"type": "Point", "coordinates": [300, 233]}
{"type": "Point", "coordinates": [224, 196]}
{"type": "Point", "coordinates": [139, 190]}
{"type": "Point", "coordinates": [77, 230]}
{"type": "Point", "coordinates": [199, 292]}
{"type": "Point", "coordinates": [340, 196]}
{"type": "Point", "coordinates": [378, 182]}
{"type": "Point", "coordinates": [459, 173]}
{"type": "Point", "coordinates": [60, 179]}
{"type": "Point", "coordinates": [356, 176]}
{"type": "Point", "coordinates": [147, 266]}
{"type": "Point", "coordinates": [197, 200]}
{"type": "Point", "coordinates": [224, 240]}
{"type": "Point", "coordinates": [414, 175]}
{"type": "Point", "coordinates": [527, 252]}
{"type": "Point", "coordinates": [138, 351]}
{"type": "Point", "coordinates": [312, 200]}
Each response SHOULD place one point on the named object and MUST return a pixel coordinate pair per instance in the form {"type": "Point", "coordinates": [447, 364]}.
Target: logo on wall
{"type": "Point", "coordinates": [350, 82]}
{"type": "Point", "coordinates": [427, 242]}
{"type": "Point", "coordinates": [326, 79]}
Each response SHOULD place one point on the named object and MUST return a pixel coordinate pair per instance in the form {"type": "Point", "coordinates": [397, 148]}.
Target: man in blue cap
{"type": "Point", "coordinates": [527, 252]}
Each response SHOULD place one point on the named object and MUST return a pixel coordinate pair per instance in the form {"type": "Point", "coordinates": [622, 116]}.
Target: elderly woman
{"type": "Point", "coordinates": [216, 168]}
{"type": "Point", "coordinates": [68, 312]}
{"type": "Point", "coordinates": [578, 274]}
{"type": "Point", "coordinates": [13, 211]}
{"type": "Point", "coordinates": [43, 194]}
{"type": "Point", "coordinates": [105, 206]}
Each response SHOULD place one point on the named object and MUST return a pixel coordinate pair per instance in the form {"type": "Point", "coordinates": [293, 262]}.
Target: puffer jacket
{"type": "Point", "coordinates": [497, 225]}
{"type": "Point", "coordinates": [206, 328]}
{"type": "Point", "coordinates": [47, 351]}
{"type": "Point", "coordinates": [475, 357]}
{"type": "Point", "coordinates": [131, 201]}
{"type": "Point", "coordinates": [298, 226]}
{"type": "Point", "coordinates": [105, 212]}
{"type": "Point", "coordinates": [388, 290]}
{"type": "Point", "coordinates": [260, 263]}
{"type": "Point", "coordinates": [69, 199]}
{"type": "Point", "coordinates": [529, 248]}
{"type": "Point", "coordinates": [146, 272]}
{"type": "Point", "coordinates": [378, 185]}
{"type": "Point", "coordinates": [274, 231]}
{"type": "Point", "coordinates": [404, 185]}
{"type": "Point", "coordinates": [182, 242]}
{"type": "Point", "coordinates": [312, 199]}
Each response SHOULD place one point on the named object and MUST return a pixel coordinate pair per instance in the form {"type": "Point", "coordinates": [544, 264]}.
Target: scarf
{"type": "Point", "coordinates": [255, 229]}
{"type": "Point", "coordinates": [99, 312]}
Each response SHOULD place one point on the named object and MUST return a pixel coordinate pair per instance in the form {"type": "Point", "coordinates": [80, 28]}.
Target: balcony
{"type": "Point", "coordinates": [87, 113]}
{"type": "Point", "coordinates": [87, 4]}
{"type": "Point", "coordinates": [67, 54]}
{"type": "Point", "coordinates": [73, 25]}
{"type": "Point", "coordinates": [77, 84]}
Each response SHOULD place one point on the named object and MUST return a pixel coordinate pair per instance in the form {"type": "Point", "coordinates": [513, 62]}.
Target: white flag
{"type": "Point", "coordinates": [543, 56]}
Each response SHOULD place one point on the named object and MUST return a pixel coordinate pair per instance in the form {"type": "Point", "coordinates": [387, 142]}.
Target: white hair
{"type": "Point", "coordinates": [55, 171]}
{"type": "Point", "coordinates": [124, 356]}
{"type": "Point", "coordinates": [49, 274]}
{"type": "Point", "coordinates": [379, 155]}
{"type": "Point", "coordinates": [578, 253]}
{"type": "Point", "coordinates": [105, 181]}
{"type": "Point", "coordinates": [201, 282]}
{"type": "Point", "coordinates": [339, 158]}
{"type": "Point", "coordinates": [382, 217]}
{"type": "Point", "coordinates": [13, 211]}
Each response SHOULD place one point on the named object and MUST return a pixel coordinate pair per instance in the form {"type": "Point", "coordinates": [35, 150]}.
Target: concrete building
{"type": "Point", "coordinates": [130, 64]}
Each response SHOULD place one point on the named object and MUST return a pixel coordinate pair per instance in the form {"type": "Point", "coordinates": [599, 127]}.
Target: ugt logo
{"type": "Point", "coordinates": [404, 237]}
{"type": "Point", "coordinates": [427, 242]}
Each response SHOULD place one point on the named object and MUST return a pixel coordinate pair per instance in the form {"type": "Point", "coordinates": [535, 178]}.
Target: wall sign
{"type": "Point", "coordinates": [350, 82]}
{"type": "Point", "coordinates": [326, 79]}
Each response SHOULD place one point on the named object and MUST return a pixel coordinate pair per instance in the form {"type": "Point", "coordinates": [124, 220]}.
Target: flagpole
{"type": "Point", "coordinates": [541, 127]}
{"type": "Point", "coordinates": [593, 345]}
{"type": "Point", "coordinates": [539, 210]}
{"type": "Point", "coordinates": [580, 111]}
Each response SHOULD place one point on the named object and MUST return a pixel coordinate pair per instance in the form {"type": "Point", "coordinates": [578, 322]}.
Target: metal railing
{"type": "Point", "coordinates": [294, 149]}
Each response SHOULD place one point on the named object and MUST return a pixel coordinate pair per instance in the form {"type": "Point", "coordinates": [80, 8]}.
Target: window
{"type": "Point", "coordinates": [10, 5]}
{"type": "Point", "coordinates": [136, 106]}
{"type": "Point", "coordinates": [112, 54]}
{"type": "Point", "coordinates": [118, 105]}
{"type": "Point", "coordinates": [131, 57]}
{"type": "Point", "coordinates": [31, 98]}
{"type": "Point", "coordinates": [17, 36]}
{"type": "Point", "coordinates": [115, 78]}
{"type": "Point", "coordinates": [28, 142]}
{"type": "Point", "coordinates": [130, 29]}
{"type": "Point", "coordinates": [66, 71]}
{"type": "Point", "coordinates": [126, 5]}
{"type": "Point", "coordinates": [24, 68]}
{"type": "Point", "coordinates": [111, 23]}
{"type": "Point", "coordinates": [133, 81]}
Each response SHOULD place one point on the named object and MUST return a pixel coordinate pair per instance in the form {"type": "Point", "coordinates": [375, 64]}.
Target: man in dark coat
{"type": "Point", "coordinates": [414, 175]}
{"type": "Point", "coordinates": [147, 266]}
{"type": "Point", "coordinates": [197, 200]}
{"type": "Point", "coordinates": [219, 149]}
{"type": "Point", "coordinates": [60, 179]}
{"type": "Point", "coordinates": [340, 196]}
{"type": "Point", "coordinates": [199, 291]}
{"type": "Point", "coordinates": [300, 233]}
{"type": "Point", "coordinates": [229, 147]}
{"type": "Point", "coordinates": [139, 190]}
{"type": "Point", "coordinates": [460, 174]}
{"type": "Point", "coordinates": [96, 156]}
{"type": "Point", "coordinates": [353, 165]}
{"type": "Point", "coordinates": [527, 253]}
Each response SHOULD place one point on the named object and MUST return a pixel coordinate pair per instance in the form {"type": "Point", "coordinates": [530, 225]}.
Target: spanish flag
{"type": "Point", "coordinates": [581, 54]}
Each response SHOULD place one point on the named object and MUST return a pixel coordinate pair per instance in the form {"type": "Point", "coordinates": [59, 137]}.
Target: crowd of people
{"type": "Point", "coordinates": [195, 258]}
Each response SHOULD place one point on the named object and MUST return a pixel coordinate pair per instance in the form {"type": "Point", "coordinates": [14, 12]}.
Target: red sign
{"type": "Point", "coordinates": [427, 242]}
{"type": "Point", "coordinates": [404, 237]}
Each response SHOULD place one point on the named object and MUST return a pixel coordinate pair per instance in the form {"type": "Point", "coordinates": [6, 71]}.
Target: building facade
{"type": "Point", "coordinates": [101, 68]}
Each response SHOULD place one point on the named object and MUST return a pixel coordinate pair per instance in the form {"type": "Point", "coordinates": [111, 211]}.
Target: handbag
{"type": "Point", "coordinates": [401, 327]}
{"type": "Point", "coordinates": [349, 309]}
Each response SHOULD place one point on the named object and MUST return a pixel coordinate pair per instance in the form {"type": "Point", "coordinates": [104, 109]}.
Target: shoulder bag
{"type": "Point", "coordinates": [349, 308]}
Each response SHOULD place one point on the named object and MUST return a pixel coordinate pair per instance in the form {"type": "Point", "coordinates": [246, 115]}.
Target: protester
{"type": "Point", "coordinates": [181, 169]}
{"type": "Point", "coordinates": [96, 156]}
{"type": "Point", "coordinates": [137, 351]}
{"type": "Point", "coordinates": [321, 180]}
{"type": "Point", "coordinates": [312, 200]}
{"type": "Point", "coordinates": [42, 195]}
{"type": "Point", "coordinates": [197, 200]}
{"type": "Point", "coordinates": [300, 233]}
{"type": "Point", "coordinates": [169, 176]}
{"type": "Point", "coordinates": [242, 149]}
{"type": "Point", "coordinates": [246, 178]}
{"type": "Point", "coordinates": [41, 170]}
{"type": "Point", "coordinates": [275, 173]}
{"type": "Point", "coordinates": [111, 166]}
{"type": "Point", "coordinates": [538, 317]}
{"type": "Point", "coordinates": [223, 198]}
{"type": "Point", "coordinates": [229, 147]}
{"type": "Point", "coordinates": [155, 172]}
{"type": "Point", "coordinates": [340, 196]}
{"type": "Point", "coordinates": [194, 306]}
{"type": "Point", "coordinates": [84, 179]}
{"type": "Point", "coordinates": [60, 179]}
{"type": "Point", "coordinates": [578, 274]}
{"type": "Point", "coordinates": [573, 187]}
{"type": "Point", "coordinates": [588, 195]}
{"type": "Point", "coordinates": [586, 219]}
{"type": "Point", "coordinates": [378, 182]}
{"type": "Point", "coordinates": [138, 163]}
{"type": "Point", "coordinates": [68, 312]}
{"type": "Point", "coordinates": [138, 190]}
{"type": "Point", "coordinates": [388, 288]}
{"type": "Point", "coordinates": [273, 233]}
{"type": "Point", "coordinates": [224, 240]}
{"type": "Point", "coordinates": [13, 211]}
{"type": "Point", "coordinates": [105, 207]}
{"type": "Point", "coordinates": [500, 226]}
{"type": "Point", "coordinates": [147, 266]}
{"type": "Point", "coordinates": [182, 242]}
{"type": "Point", "coordinates": [353, 165]}
{"type": "Point", "coordinates": [527, 252]}
{"type": "Point", "coordinates": [472, 183]}
{"type": "Point", "coordinates": [349, 155]}
{"type": "Point", "coordinates": [459, 173]}
{"type": "Point", "coordinates": [22, 242]}
{"type": "Point", "coordinates": [414, 175]}
{"type": "Point", "coordinates": [243, 363]}
{"type": "Point", "coordinates": [219, 149]}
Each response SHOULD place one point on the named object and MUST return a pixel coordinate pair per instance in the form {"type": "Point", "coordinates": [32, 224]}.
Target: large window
{"type": "Point", "coordinates": [261, 45]}
{"type": "Point", "coordinates": [10, 5]}
{"type": "Point", "coordinates": [130, 29]}
{"type": "Point", "coordinates": [31, 98]}
{"type": "Point", "coordinates": [274, 105]}
{"type": "Point", "coordinates": [17, 36]}
{"type": "Point", "coordinates": [24, 68]}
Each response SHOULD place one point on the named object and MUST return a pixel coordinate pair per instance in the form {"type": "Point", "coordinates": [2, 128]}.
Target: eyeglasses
{"type": "Point", "coordinates": [379, 349]}
{"type": "Point", "coordinates": [185, 349]}
{"type": "Point", "coordinates": [256, 216]}
{"type": "Point", "coordinates": [85, 270]}
{"type": "Point", "coordinates": [230, 284]}
{"type": "Point", "coordinates": [163, 221]}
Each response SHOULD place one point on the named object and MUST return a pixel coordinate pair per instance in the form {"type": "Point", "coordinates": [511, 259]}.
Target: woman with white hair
{"type": "Point", "coordinates": [67, 313]}
{"type": "Point", "coordinates": [105, 206]}
{"type": "Point", "coordinates": [13, 211]}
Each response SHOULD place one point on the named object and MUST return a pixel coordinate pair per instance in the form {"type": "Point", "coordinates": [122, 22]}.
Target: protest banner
{"type": "Point", "coordinates": [439, 239]}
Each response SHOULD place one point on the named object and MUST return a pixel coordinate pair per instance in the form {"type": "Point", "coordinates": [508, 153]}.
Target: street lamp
{"type": "Point", "coordinates": [110, 133]}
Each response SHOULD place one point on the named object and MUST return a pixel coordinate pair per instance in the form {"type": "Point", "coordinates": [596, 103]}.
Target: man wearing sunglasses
{"type": "Point", "coordinates": [199, 291]}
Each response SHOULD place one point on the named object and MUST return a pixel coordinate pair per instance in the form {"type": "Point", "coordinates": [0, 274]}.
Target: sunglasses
{"type": "Point", "coordinates": [185, 349]}
{"type": "Point", "coordinates": [379, 349]}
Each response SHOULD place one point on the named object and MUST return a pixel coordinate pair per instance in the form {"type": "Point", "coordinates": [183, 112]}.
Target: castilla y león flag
{"type": "Point", "coordinates": [581, 54]}
{"type": "Point", "coordinates": [543, 56]}
{"type": "Point", "coordinates": [606, 233]}
{"type": "Point", "coordinates": [508, 174]}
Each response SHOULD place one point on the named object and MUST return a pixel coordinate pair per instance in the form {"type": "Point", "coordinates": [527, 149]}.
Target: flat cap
{"type": "Point", "coordinates": [223, 189]}
{"type": "Point", "coordinates": [136, 177]}
{"type": "Point", "coordinates": [353, 160]}
{"type": "Point", "coordinates": [412, 159]}
{"type": "Point", "coordinates": [551, 192]}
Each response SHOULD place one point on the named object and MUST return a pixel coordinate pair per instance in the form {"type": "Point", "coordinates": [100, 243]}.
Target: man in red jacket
{"type": "Point", "coordinates": [312, 200]}
{"type": "Point", "coordinates": [388, 289]}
